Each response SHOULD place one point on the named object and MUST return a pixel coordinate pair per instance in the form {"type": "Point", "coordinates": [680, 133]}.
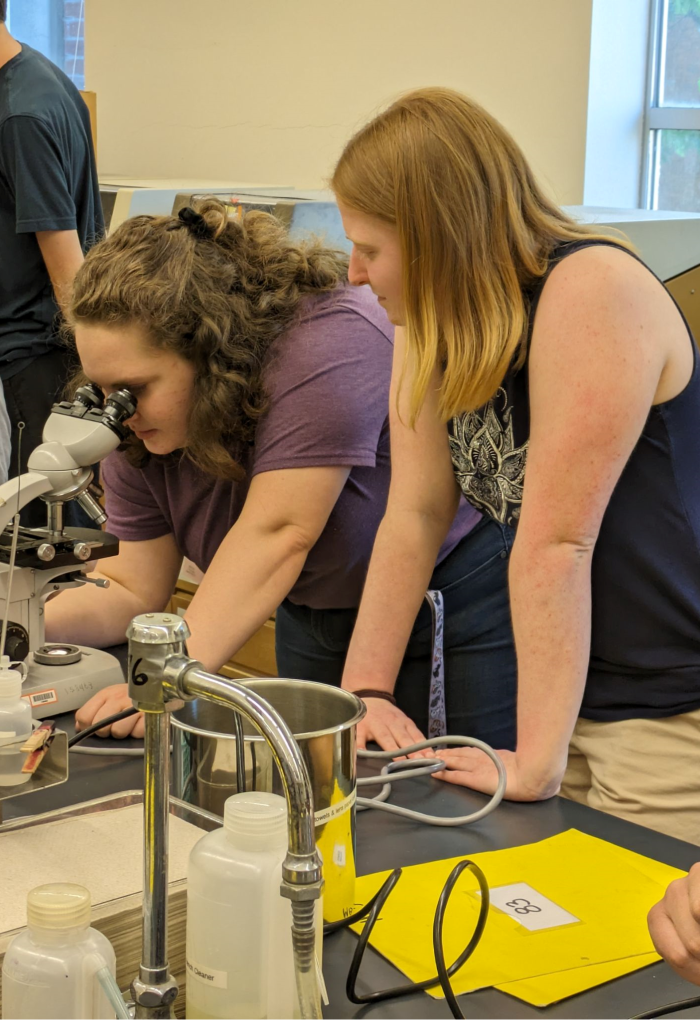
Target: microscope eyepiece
{"type": "Point", "coordinates": [89, 405]}
{"type": "Point", "coordinates": [119, 406]}
{"type": "Point", "coordinates": [89, 395]}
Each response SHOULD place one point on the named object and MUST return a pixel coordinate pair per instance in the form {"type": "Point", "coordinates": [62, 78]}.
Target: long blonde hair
{"type": "Point", "coordinates": [475, 230]}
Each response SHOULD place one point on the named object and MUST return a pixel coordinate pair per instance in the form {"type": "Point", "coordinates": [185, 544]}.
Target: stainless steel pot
{"type": "Point", "coordinates": [323, 720]}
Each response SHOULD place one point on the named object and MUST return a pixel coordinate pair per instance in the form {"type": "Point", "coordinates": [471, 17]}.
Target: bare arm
{"type": "Point", "coordinates": [141, 580]}
{"type": "Point", "coordinates": [63, 256]}
{"type": "Point", "coordinates": [599, 359]}
{"type": "Point", "coordinates": [261, 558]}
{"type": "Point", "coordinates": [142, 577]}
{"type": "Point", "coordinates": [423, 499]}
{"type": "Point", "coordinates": [253, 570]}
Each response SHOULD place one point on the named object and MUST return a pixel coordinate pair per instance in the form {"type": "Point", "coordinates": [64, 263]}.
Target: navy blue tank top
{"type": "Point", "coordinates": [645, 640]}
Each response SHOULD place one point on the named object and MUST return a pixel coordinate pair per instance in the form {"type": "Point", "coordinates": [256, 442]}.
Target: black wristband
{"type": "Point", "coordinates": [370, 692]}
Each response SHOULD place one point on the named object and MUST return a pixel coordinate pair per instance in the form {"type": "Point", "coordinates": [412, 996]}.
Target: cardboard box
{"type": "Point", "coordinates": [91, 103]}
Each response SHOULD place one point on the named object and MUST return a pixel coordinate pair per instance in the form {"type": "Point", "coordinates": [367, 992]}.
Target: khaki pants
{"type": "Point", "coordinates": [643, 770]}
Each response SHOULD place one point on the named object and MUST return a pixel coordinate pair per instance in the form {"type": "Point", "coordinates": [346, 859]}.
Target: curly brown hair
{"type": "Point", "coordinates": [218, 300]}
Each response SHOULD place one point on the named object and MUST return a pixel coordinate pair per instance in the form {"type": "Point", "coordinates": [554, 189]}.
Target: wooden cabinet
{"type": "Point", "coordinates": [255, 658]}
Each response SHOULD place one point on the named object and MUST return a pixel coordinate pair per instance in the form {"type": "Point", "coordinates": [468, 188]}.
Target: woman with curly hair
{"type": "Point", "coordinates": [545, 374]}
{"type": "Point", "coordinates": [260, 451]}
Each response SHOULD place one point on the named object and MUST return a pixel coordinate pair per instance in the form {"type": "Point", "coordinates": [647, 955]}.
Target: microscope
{"type": "Point", "coordinates": [77, 434]}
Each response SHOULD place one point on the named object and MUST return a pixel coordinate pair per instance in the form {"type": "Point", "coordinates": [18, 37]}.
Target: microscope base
{"type": "Point", "coordinates": [52, 690]}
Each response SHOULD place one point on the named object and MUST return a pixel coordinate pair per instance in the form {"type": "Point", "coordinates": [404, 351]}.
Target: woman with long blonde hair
{"type": "Point", "coordinates": [544, 373]}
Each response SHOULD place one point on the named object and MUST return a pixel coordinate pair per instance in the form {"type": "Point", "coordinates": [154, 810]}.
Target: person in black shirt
{"type": "Point", "coordinates": [543, 373]}
{"type": "Point", "coordinates": [50, 214]}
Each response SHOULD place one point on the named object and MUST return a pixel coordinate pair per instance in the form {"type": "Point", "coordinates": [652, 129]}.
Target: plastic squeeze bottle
{"type": "Point", "coordinates": [50, 971]}
{"type": "Point", "coordinates": [15, 725]}
{"type": "Point", "coordinates": [239, 943]}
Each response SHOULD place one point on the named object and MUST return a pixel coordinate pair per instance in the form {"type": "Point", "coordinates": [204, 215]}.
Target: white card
{"type": "Point", "coordinates": [529, 908]}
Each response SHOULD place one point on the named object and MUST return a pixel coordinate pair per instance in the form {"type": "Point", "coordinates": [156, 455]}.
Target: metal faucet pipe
{"type": "Point", "coordinates": [154, 966]}
{"type": "Point", "coordinates": [160, 674]}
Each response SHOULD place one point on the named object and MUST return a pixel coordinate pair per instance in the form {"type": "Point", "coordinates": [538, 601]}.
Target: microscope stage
{"type": "Point", "coordinates": [100, 543]}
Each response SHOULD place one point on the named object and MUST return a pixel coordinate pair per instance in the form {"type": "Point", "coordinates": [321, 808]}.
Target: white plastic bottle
{"type": "Point", "coordinates": [50, 968]}
{"type": "Point", "coordinates": [15, 726]}
{"type": "Point", "coordinates": [239, 942]}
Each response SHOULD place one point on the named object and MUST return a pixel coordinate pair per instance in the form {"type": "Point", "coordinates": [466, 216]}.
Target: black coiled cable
{"type": "Point", "coordinates": [444, 973]}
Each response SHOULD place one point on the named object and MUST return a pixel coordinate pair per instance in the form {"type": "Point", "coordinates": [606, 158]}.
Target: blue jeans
{"type": "Point", "coordinates": [480, 665]}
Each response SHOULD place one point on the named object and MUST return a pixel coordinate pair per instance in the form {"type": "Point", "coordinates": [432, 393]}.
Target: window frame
{"type": "Point", "coordinates": [44, 27]}
{"type": "Point", "coordinates": [659, 118]}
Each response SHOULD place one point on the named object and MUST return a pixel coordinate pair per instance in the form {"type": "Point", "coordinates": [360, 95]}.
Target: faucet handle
{"type": "Point", "coordinates": [153, 638]}
{"type": "Point", "coordinates": [158, 629]}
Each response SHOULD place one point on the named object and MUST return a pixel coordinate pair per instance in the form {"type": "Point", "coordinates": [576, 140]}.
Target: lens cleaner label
{"type": "Point", "coordinates": [213, 978]}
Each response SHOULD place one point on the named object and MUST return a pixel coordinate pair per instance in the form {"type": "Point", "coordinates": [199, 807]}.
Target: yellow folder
{"type": "Point", "coordinates": [608, 890]}
{"type": "Point", "coordinates": [545, 990]}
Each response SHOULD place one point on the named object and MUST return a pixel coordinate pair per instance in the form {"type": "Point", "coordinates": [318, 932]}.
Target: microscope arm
{"type": "Point", "coordinates": [17, 492]}
{"type": "Point", "coordinates": [77, 435]}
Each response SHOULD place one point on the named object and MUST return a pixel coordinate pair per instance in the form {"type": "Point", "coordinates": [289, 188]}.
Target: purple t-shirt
{"type": "Point", "coordinates": [328, 381]}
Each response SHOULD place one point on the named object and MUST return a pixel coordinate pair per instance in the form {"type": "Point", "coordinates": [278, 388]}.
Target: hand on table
{"type": "Point", "coordinates": [467, 766]}
{"type": "Point", "coordinates": [388, 726]}
{"type": "Point", "coordinates": [108, 702]}
{"type": "Point", "coordinates": [674, 926]}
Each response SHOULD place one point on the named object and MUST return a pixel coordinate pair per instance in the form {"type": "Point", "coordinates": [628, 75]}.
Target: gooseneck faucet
{"type": "Point", "coordinates": [160, 677]}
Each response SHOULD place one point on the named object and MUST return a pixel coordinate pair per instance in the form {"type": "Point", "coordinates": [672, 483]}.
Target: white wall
{"type": "Point", "coordinates": [268, 91]}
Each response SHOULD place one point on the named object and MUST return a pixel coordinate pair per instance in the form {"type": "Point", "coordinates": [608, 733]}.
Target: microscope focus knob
{"type": "Point", "coordinates": [46, 552]}
{"type": "Point", "coordinates": [82, 551]}
{"type": "Point", "coordinates": [16, 642]}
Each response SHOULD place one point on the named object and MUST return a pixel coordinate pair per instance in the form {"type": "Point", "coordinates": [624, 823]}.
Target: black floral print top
{"type": "Point", "coordinates": [645, 572]}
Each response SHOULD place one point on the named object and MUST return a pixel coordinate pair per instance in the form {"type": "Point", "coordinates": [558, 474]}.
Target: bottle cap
{"type": "Point", "coordinates": [256, 820]}
{"type": "Point", "coordinates": [58, 905]}
{"type": "Point", "coordinates": [10, 680]}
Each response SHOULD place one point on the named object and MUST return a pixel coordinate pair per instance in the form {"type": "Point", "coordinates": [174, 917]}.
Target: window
{"type": "Point", "coordinates": [672, 125]}
{"type": "Point", "coordinates": [56, 28]}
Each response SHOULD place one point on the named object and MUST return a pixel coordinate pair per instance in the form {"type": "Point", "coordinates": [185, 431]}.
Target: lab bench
{"type": "Point", "coordinates": [385, 841]}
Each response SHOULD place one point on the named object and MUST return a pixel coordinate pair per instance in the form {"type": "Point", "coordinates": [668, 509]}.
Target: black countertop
{"type": "Point", "coordinates": [385, 841]}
